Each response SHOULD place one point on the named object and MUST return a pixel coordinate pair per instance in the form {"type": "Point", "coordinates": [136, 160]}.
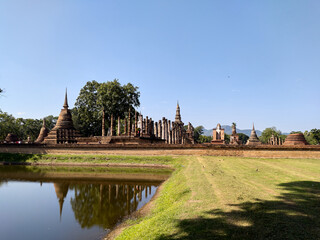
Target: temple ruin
{"type": "Point", "coordinates": [63, 131]}
{"type": "Point", "coordinates": [139, 130]}
{"type": "Point", "coordinates": [253, 139]}
{"type": "Point", "coordinates": [274, 140]}
{"type": "Point", "coordinates": [234, 137]}
{"type": "Point", "coordinates": [218, 135]}
{"type": "Point", "coordinates": [295, 139]}
{"type": "Point", "coordinates": [43, 133]}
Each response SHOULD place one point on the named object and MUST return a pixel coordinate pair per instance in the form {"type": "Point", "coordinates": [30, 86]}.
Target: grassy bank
{"type": "Point", "coordinates": [235, 198]}
{"type": "Point", "coordinates": [90, 159]}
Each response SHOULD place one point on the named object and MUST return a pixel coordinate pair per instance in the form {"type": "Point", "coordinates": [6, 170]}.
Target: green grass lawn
{"type": "Point", "coordinates": [235, 198]}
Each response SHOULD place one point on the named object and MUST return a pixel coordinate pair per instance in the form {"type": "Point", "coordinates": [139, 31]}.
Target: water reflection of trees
{"type": "Point", "coordinates": [104, 205]}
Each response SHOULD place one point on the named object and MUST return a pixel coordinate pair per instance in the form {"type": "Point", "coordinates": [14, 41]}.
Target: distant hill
{"type": "Point", "coordinates": [228, 130]}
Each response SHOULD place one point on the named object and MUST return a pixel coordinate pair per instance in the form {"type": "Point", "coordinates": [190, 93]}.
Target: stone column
{"type": "Point", "coordinates": [125, 127]}
{"type": "Point", "coordinates": [156, 129]}
{"type": "Point", "coordinates": [163, 128]}
{"type": "Point", "coordinates": [160, 129]}
{"type": "Point", "coordinates": [129, 123]}
{"type": "Point", "coordinates": [111, 125]}
{"type": "Point", "coordinates": [147, 127]}
{"type": "Point", "coordinates": [119, 127]}
{"type": "Point", "coordinates": [103, 123]}
{"type": "Point", "coordinates": [169, 130]}
{"type": "Point", "coordinates": [135, 123]}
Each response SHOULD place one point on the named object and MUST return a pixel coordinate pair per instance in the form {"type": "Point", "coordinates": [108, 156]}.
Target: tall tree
{"type": "Point", "coordinates": [97, 102]}
{"type": "Point", "coordinates": [86, 113]}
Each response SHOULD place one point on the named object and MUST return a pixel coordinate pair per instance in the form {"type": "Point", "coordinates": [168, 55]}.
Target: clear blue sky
{"type": "Point", "coordinates": [225, 61]}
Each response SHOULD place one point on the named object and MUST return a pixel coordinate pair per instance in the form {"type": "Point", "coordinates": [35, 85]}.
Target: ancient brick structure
{"type": "Point", "coordinates": [64, 131]}
{"type": "Point", "coordinates": [218, 135]}
{"type": "Point", "coordinates": [43, 133]}
{"type": "Point", "coordinates": [234, 138]}
{"type": "Point", "coordinates": [295, 139]}
{"type": "Point", "coordinates": [11, 138]}
{"type": "Point", "coordinates": [253, 139]}
{"type": "Point", "coordinates": [274, 140]}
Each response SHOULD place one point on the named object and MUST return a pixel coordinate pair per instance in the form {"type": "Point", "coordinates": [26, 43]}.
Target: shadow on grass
{"type": "Point", "coordinates": [294, 215]}
{"type": "Point", "coordinates": [18, 158]}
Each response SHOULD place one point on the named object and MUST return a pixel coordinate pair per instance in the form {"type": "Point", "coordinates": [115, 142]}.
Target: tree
{"type": "Point", "coordinates": [86, 113]}
{"type": "Point", "coordinates": [97, 102]}
{"type": "Point", "coordinates": [243, 138]}
{"type": "Point", "coordinates": [21, 127]}
{"type": "Point", "coordinates": [205, 139]}
{"type": "Point", "coordinates": [198, 131]}
{"type": "Point", "coordinates": [313, 137]}
{"type": "Point", "coordinates": [267, 133]}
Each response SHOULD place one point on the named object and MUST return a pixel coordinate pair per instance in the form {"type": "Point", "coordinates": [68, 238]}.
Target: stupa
{"type": "Point", "coordinates": [11, 138]}
{"type": "Point", "coordinates": [64, 131]}
{"type": "Point", "coordinates": [43, 133]}
{"type": "Point", "coordinates": [253, 139]}
{"type": "Point", "coordinates": [295, 139]}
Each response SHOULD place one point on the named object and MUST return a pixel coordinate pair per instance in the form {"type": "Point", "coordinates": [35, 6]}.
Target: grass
{"type": "Point", "coordinates": [235, 198]}
{"type": "Point", "coordinates": [101, 159]}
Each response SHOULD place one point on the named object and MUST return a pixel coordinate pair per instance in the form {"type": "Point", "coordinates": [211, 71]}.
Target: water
{"type": "Point", "coordinates": [59, 204]}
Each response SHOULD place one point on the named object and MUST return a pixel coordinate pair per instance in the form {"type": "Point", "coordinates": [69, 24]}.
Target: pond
{"type": "Point", "coordinates": [69, 202]}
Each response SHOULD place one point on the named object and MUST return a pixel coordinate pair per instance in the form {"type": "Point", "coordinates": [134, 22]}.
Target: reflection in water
{"type": "Point", "coordinates": [102, 204]}
{"type": "Point", "coordinates": [71, 208]}
{"type": "Point", "coordinates": [105, 204]}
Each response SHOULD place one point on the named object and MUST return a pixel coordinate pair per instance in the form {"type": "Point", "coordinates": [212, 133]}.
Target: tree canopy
{"type": "Point", "coordinates": [23, 127]}
{"type": "Point", "coordinates": [267, 133]}
{"type": "Point", "coordinates": [312, 137]}
{"type": "Point", "coordinates": [103, 99]}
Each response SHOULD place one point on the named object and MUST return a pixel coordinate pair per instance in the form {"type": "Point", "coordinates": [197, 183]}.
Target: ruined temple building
{"type": "Point", "coordinates": [218, 135]}
{"type": "Point", "coordinates": [295, 139]}
{"type": "Point", "coordinates": [11, 138]}
{"type": "Point", "coordinates": [43, 133]}
{"type": "Point", "coordinates": [274, 140]}
{"type": "Point", "coordinates": [234, 137]}
{"type": "Point", "coordinates": [64, 131]}
{"type": "Point", "coordinates": [135, 129]}
{"type": "Point", "coordinates": [253, 139]}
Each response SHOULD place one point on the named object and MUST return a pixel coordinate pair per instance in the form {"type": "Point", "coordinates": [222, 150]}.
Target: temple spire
{"type": "Point", "coordinates": [65, 105]}
{"type": "Point", "coordinates": [178, 116]}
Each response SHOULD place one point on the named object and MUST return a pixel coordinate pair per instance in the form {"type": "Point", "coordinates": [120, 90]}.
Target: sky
{"type": "Point", "coordinates": [224, 61]}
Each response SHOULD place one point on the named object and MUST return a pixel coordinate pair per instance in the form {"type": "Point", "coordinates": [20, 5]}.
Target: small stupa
{"type": "Point", "coordinates": [11, 138]}
{"type": "Point", "coordinates": [253, 139]}
{"type": "Point", "coordinates": [63, 131]}
{"type": "Point", "coordinates": [43, 132]}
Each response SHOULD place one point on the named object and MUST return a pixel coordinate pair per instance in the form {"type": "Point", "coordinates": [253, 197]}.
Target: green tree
{"type": "Point", "coordinates": [205, 139]}
{"type": "Point", "coordinates": [97, 102]}
{"type": "Point", "coordinates": [198, 131]}
{"type": "Point", "coordinates": [227, 138]}
{"type": "Point", "coordinates": [267, 133]}
{"type": "Point", "coordinates": [313, 137]}
{"type": "Point", "coordinates": [86, 113]}
{"type": "Point", "coordinates": [243, 138]}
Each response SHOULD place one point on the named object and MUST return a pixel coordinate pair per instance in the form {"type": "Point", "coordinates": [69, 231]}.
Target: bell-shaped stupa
{"type": "Point", "coordinates": [63, 131]}
{"type": "Point", "coordinates": [253, 139]}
